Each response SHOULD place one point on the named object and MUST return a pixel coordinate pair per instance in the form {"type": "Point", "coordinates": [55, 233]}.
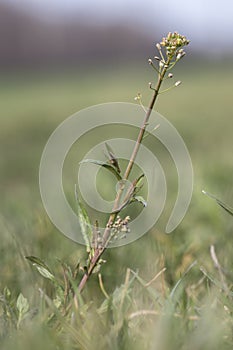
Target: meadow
{"type": "Point", "coordinates": [160, 292]}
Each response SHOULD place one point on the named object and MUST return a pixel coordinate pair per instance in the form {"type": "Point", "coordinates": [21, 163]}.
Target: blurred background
{"type": "Point", "coordinates": [57, 57]}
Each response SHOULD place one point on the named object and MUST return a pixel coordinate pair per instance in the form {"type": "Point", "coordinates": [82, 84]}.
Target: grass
{"type": "Point", "coordinates": [188, 306]}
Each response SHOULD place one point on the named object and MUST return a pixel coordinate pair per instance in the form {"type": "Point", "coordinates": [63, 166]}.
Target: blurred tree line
{"type": "Point", "coordinates": [28, 40]}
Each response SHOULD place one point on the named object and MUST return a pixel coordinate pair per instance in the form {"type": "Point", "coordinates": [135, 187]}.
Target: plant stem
{"type": "Point", "coordinates": [107, 233]}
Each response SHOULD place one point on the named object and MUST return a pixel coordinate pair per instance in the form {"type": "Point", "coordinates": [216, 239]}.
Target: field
{"type": "Point", "coordinates": [189, 304]}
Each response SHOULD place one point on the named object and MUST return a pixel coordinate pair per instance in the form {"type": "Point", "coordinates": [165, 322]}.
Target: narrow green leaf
{"type": "Point", "coordinates": [85, 224]}
{"type": "Point", "coordinates": [127, 198]}
{"type": "Point", "coordinates": [22, 305]}
{"type": "Point", "coordinates": [134, 187]}
{"type": "Point", "coordinates": [112, 158]}
{"type": "Point", "coordinates": [41, 267]}
{"type": "Point", "coordinates": [141, 200]}
{"type": "Point", "coordinates": [139, 181]}
{"type": "Point", "coordinates": [105, 165]}
{"type": "Point", "coordinates": [226, 207]}
{"type": "Point", "coordinates": [178, 283]}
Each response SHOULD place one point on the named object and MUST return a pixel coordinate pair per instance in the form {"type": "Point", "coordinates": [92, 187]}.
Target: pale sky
{"type": "Point", "coordinates": [205, 22]}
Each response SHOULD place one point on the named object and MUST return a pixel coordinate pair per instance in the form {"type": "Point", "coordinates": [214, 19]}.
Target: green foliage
{"type": "Point", "coordinates": [22, 307]}
{"type": "Point", "coordinates": [104, 165]}
{"type": "Point", "coordinates": [85, 224]}
{"type": "Point", "coordinates": [41, 267]}
{"type": "Point", "coordinates": [138, 314]}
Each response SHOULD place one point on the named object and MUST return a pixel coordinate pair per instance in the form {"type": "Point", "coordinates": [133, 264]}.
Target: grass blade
{"type": "Point", "coordinates": [178, 283]}
{"type": "Point", "coordinates": [226, 207]}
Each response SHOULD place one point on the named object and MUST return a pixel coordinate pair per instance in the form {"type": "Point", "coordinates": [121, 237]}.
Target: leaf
{"type": "Point", "coordinates": [98, 266]}
{"type": "Point", "coordinates": [226, 207]}
{"type": "Point", "coordinates": [85, 223]}
{"type": "Point", "coordinates": [113, 160]}
{"type": "Point", "coordinates": [22, 305]}
{"type": "Point", "coordinates": [138, 183]}
{"type": "Point", "coordinates": [108, 166]}
{"type": "Point", "coordinates": [134, 187]}
{"type": "Point", "coordinates": [7, 293]}
{"type": "Point", "coordinates": [141, 200]}
{"type": "Point", "coordinates": [42, 268]}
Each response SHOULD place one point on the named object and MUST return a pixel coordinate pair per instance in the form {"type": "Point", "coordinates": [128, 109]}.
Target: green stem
{"type": "Point", "coordinates": [107, 233]}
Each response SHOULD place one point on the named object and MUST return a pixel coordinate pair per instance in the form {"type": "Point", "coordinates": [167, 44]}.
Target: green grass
{"type": "Point", "coordinates": [197, 314]}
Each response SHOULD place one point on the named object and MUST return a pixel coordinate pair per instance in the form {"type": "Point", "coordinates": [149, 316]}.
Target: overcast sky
{"type": "Point", "coordinates": [205, 22]}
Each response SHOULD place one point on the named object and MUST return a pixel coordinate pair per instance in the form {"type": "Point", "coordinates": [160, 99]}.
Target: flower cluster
{"type": "Point", "coordinates": [170, 51]}
{"type": "Point", "coordinates": [174, 43]}
{"type": "Point", "coordinates": [120, 226]}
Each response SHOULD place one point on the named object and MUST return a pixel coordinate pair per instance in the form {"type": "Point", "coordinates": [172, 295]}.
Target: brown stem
{"type": "Point", "coordinates": [144, 125]}
{"type": "Point", "coordinates": [107, 233]}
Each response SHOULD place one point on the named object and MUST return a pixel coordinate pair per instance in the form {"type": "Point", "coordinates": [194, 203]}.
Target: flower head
{"type": "Point", "coordinates": [174, 43]}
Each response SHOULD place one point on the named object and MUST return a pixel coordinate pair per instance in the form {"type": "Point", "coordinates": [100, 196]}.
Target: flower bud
{"type": "Point", "coordinates": [138, 97]}
{"type": "Point", "coordinates": [180, 55]}
{"type": "Point", "coordinates": [161, 64]}
{"type": "Point", "coordinates": [177, 83]}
